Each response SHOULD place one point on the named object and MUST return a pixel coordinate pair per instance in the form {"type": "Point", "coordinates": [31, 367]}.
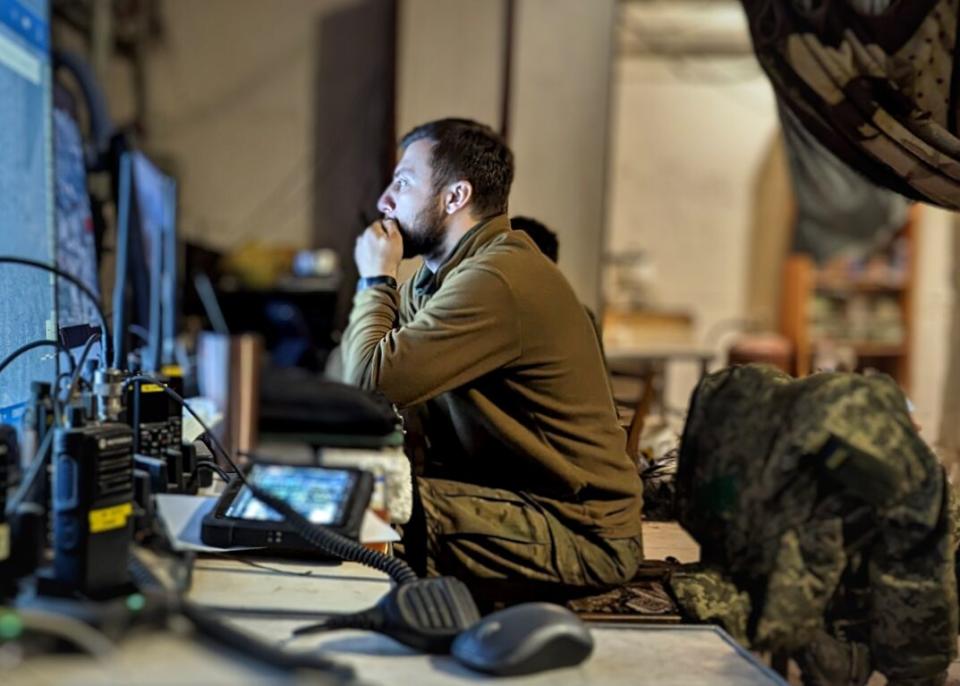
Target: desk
{"type": "Point", "coordinates": [648, 363]}
{"type": "Point", "coordinates": [271, 598]}
{"type": "Point", "coordinates": [659, 353]}
{"type": "Point", "coordinates": [640, 340]}
{"type": "Point", "coordinates": [645, 363]}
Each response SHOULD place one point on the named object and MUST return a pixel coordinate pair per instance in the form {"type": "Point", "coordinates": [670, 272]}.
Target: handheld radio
{"type": "Point", "coordinates": [8, 462]}
{"type": "Point", "coordinates": [92, 505]}
{"type": "Point", "coordinates": [157, 425]}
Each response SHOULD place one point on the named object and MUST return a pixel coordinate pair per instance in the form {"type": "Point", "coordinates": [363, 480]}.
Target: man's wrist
{"type": "Point", "coordinates": [367, 281]}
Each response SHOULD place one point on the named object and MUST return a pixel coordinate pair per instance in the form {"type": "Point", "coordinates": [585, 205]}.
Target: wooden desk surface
{"type": "Point", "coordinates": [624, 655]}
{"type": "Point", "coordinates": [667, 539]}
{"type": "Point", "coordinates": [269, 599]}
{"type": "Point", "coordinates": [654, 351]}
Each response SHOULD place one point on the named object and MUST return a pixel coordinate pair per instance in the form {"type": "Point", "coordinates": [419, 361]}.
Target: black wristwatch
{"type": "Point", "coordinates": [366, 281]}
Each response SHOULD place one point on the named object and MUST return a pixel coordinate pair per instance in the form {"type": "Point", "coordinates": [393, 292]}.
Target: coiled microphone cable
{"type": "Point", "coordinates": [335, 544]}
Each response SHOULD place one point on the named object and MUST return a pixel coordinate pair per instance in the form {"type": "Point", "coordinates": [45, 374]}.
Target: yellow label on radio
{"type": "Point", "coordinates": [171, 370]}
{"type": "Point", "coordinates": [109, 518]}
{"type": "Point", "coordinates": [151, 388]}
{"type": "Point", "coordinates": [4, 541]}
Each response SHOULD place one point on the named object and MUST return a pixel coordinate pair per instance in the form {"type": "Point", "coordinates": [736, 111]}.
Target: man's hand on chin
{"type": "Point", "coordinates": [379, 249]}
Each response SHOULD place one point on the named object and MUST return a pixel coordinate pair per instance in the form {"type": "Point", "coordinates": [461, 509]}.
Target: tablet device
{"type": "Point", "coordinates": [335, 498]}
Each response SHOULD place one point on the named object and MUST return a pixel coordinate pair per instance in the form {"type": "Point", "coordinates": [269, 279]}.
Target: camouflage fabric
{"type": "Point", "coordinates": [708, 595]}
{"type": "Point", "coordinates": [873, 81]}
{"type": "Point", "coordinates": [646, 594]}
{"type": "Point", "coordinates": [818, 500]}
{"type": "Point", "coordinates": [508, 548]}
{"type": "Point", "coordinates": [828, 661]}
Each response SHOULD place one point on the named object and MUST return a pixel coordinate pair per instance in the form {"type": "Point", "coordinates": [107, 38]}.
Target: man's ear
{"type": "Point", "coordinates": [458, 195]}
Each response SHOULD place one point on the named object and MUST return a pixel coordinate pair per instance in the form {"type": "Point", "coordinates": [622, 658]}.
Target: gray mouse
{"type": "Point", "coordinates": [524, 639]}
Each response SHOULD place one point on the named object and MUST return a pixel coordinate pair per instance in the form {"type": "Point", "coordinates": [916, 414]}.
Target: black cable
{"type": "Point", "coordinates": [344, 621]}
{"type": "Point", "coordinates": [68, 629]}
{"type": "Point", "coordinates": [45, 449]}
{"type": "Point", "coordinates": [81, 382]}
{"type": "Point", "coordinates": [206, 623]}
{"type": "Point", "coordinates": [264, 612]}
{"type": "Point", "coordinates": [79, 368]}
{"type": "Point", "coordinates": [319, 536]}
{"type": "Point", "coordinates": [183, 403]}
{"type": "Point", "coordinates": [213, 466]}
{"type": "Point", "coordinates": [140, 332]}
{"type": "Point", "coordinates": [268, 568]}
{"type": "Point", "coordinates": [42, 343]}
{"type": "Point", "coordinates": [36, 467]}
{"type": "Point", "coordinates": [208, 298]}
{"type": "Point", "coordinates": [94, 299]}
{"type": "Point", "coordinates": [332, 543]}
{"type": "Point", "coordinates": [225, 635]}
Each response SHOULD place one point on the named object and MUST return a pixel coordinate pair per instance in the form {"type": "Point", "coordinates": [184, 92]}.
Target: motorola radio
{"type": "Point", "coordinates": [8, 460]}
{"type": "Point", "coordinates": [92, 505]}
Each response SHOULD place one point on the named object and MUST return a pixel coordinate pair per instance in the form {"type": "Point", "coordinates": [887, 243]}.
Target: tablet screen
{"type": "Point", "coordinates": [318, 494]}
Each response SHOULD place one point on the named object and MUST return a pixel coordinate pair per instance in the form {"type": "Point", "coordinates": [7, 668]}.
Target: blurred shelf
{"type": "Point", "coordinates": [853, 288]}
{"type": "Point", "coordinates": [868, 348]}
{"type": "Point", "coordinates": [816, 301]}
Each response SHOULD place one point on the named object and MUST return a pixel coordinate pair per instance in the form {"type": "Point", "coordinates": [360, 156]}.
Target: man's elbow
{"type": "Point", "coordinates": [371, 379]}
{"type": "Point", "coordinates": [376, 371]}
{"type": "Point", "coordinates": [360, 376]}
{"type": "Point", "coordinates": [362, 371]}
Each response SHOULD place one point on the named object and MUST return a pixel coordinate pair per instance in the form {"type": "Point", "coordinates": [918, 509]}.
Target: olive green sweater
{"type": "Point", "coordinates": [500, 348]}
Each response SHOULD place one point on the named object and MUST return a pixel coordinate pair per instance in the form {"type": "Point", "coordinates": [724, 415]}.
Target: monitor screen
{"type": "Point", "coordinates": [317, 493]}
{"type": "Point", "coordinates": [27, 300]}
{"type": "Point", "coordinates": [152, 266]}
{"type": "Point", "coordinates": [76, 243]}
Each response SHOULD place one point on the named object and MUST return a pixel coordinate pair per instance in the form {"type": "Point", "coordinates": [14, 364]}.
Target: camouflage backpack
{"type": "Point", "coordinates": [824, 523]}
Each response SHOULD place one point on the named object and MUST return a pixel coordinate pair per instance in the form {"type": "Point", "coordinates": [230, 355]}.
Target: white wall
{"type": "Point", "coordinates": [230, 106]}
{"type": "Point", "coordinates": [559, 127]}
{"type": "Point", "coordinates": [931, 315]}
{"type": "Point", "coordinates": [450, 61]}
{"type": "Point", "coordinates": [450, 64]}
{"type": "Point", "coordinates": [688, 143]}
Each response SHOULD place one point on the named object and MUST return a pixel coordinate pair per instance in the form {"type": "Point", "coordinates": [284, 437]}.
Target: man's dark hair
{"type": "Point", "coordinates": [545, 239]}
{"type": "Point", "coordinates": [465, 149]}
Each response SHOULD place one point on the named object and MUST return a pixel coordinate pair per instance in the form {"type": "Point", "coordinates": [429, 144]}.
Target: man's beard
{"type": "Point", "coordinates": [425, 236]}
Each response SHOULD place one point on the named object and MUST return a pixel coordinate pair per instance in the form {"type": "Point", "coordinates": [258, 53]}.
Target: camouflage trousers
{"type": "Point", "coordinates": [707, 595]}
{"type": "Point", "coordinates": [507, 548]}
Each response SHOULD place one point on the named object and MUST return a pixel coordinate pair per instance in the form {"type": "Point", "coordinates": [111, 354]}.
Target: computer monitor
{"type": "Point", "coordinates": [151, 266]}
{"type": "Point", "coordinates": [27, 297]}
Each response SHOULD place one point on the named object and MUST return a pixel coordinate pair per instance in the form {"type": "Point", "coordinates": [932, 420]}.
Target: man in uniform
{"type": "Point", "coordinates": [825, 523]}
{"type": "Point", "coordinates": [529, 492]}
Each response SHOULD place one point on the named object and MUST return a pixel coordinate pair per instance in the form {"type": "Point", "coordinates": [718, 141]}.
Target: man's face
{"type": "Point", "coordinates": [414, 204]}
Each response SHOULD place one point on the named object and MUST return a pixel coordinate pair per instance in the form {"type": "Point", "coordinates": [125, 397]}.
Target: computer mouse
{"type": "Point", "coordinates": [524, 639]}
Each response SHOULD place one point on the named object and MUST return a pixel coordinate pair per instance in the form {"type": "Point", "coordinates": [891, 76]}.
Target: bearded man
{"type": "Point", "coordinates": [529, 493]}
